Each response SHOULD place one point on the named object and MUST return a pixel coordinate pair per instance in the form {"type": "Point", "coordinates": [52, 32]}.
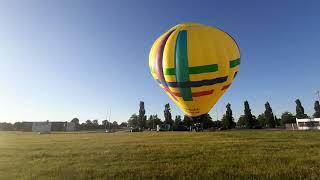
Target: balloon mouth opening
{"type": "Point", "coordinates": [197, 119]}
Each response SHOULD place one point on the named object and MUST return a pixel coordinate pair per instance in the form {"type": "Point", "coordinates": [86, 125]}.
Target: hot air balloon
{"type": "Point", "coordinates": [194, 64]}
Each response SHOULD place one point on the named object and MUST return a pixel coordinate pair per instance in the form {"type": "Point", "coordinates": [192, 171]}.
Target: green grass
{"type": "Point", "coordinates": [184, 155]}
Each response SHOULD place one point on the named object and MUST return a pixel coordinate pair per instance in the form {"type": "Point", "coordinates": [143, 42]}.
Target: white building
{"type": "Point", "coordinates": [308, 124]}
{"type": "Point", "coordinates": [41, 126]}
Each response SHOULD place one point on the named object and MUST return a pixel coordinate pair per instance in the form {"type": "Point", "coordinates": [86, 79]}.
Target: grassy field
{"type": "Point", "coordinates": [184, 155]}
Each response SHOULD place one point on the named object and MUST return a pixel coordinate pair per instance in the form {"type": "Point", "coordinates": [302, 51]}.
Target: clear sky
{"type": "Point", "coordinates": [64, 59]}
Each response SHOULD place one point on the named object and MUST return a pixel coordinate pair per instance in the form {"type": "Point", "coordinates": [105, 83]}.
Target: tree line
{"type": "Point", "coordinates": [264, 120]}
{"type": "Point", "coordinates": [269, 120]}
{"type": "Point", "coordinates": [87, 125]}
{"type": "Point", "coordinates": [94, 124]}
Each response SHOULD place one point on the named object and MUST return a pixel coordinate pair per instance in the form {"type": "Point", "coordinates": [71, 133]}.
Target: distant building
{"type": "Point", "coordinates": [58, 126]}
{"type": "Point", "coordinates": [308, 124]}
{"type": "Point", "coordinates": [41, 126]}
{"type": "Point", "coordinates": [46, 126]}
{"type": "Point", "coordinates": [291, 126]}
{"type": "Point", "coordinates": [26, 126]}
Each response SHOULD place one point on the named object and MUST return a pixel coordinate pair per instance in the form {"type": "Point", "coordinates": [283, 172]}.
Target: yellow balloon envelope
{"type": "Point", "coordinates": [194, 64]}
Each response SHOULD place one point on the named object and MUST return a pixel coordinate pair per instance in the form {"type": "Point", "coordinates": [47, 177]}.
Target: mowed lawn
{"type": "Point", "coordinates": [183, 155]}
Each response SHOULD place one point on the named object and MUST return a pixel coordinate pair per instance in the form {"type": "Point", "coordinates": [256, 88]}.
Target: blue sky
{"type": "Point", "coordinates": [65, 59]}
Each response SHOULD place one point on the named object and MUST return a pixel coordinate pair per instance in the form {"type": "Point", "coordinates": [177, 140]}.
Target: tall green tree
{"type": "Point", "coordinates": [167, 115]}
{"type": "Point", "coordinates": [6, 126]}
{"type": "Point", "coordinates": [123, 124]}
{"type": "Point", "coordinates": [255, 121]}
{"type": "Point", "coordinates": [227, 120]}
{"type": "Point", "coordinates": [316, 109]}
{"type": "Point", "coordinates": [18, 126]}
{"type": "Point", "coordinates": [278, 121]}
{"type": "Point", "coordinates": [157, 121]}
{"type": "Point", "coordinates": [95, 124]}
{"type": "Point", "coordinates": [300, 110]}
{"type": "Point", "coordinates": [76, 122]}
{"type": "Point", "coordinates": [241, 122]}
{"type": "Point", "coordinates": [217, 124]}
{"type": "Point", "coordinates": [89, 124]}
{"type": "Point", "coordinates": [262, 120]}
{"type": "Point", "coordinates": [153, 121]}
{"type": "Point", "coordinates": [150, 122]}
{"type": "Point", "coordinates": [271, 123]}
{"type": "Point", "coordinates": [177, 121]}
{"type": "Point", "coordinates": [287, 117]}
{"type": "Point", "coordinates": [142, 117]}
{"type": "Point", "coordinates": [133, 121]}
{"type": "Point", "coordinates": [105, 124]}
{"type": "Point", "coordinates": [115, 125]}
{"type": "Point", "coordinates": [206, 120]}
{"type": "Point", "coordinates": [248, 118]}
{"type": "Point", "coordinates": [187, 121]}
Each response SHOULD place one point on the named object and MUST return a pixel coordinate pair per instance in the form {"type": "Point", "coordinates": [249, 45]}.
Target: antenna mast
{"type": "Point", "coordinates": [109, 119]}
{"type": "Point", "coordinates": [105, 124]}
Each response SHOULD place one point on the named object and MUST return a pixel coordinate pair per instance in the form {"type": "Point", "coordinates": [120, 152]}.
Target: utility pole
{"type": "Point", "coordinates": [109, 119]}
{"type": "Point", "coordinates": [105, 123]}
